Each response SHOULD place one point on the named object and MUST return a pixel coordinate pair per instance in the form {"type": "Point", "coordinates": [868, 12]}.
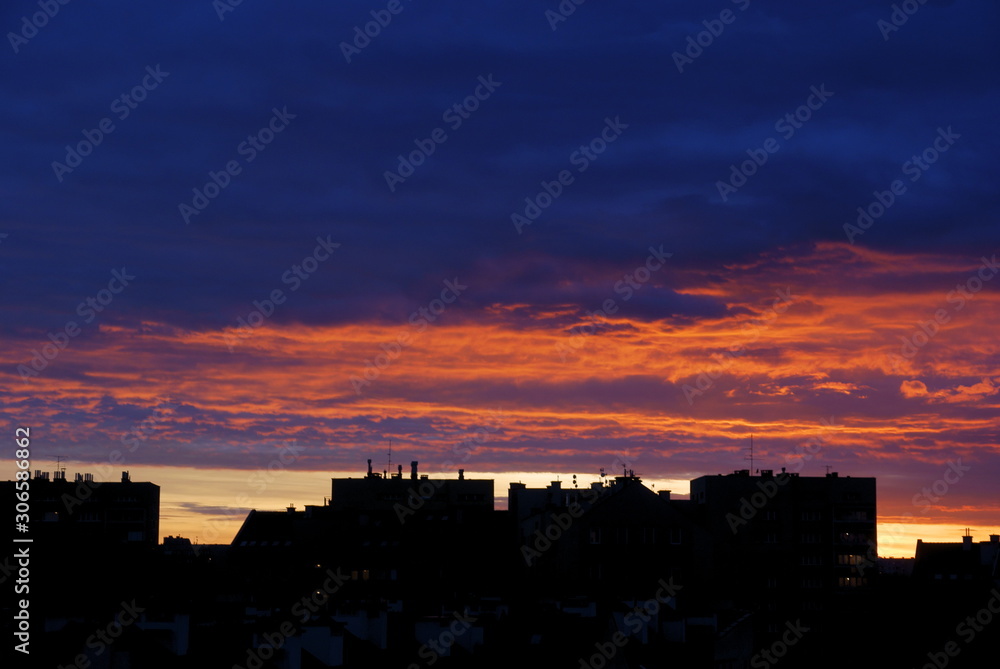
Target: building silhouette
{"type": "Point", "coordinates": [81, 511]}
{"type": "Point", "coordinates": [415, 570]}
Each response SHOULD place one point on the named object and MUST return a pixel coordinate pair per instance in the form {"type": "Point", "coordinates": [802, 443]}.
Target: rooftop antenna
{"type": "Point", "coordinates": [59, 459]}
{"type": "Point", "coordinates": [828, 470]}
{"type": "Point", "coordinates": [390, 455]}
{"type": "Point", "coordinates": [751, 454]}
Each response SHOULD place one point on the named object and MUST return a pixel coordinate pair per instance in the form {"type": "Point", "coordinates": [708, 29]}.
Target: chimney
{"type": "Point", "coordinates": [125, 478]}
{"type": "Point", "coordinates": [77, 477]}
{"type": "Point", "coordinates": [967, 542]}
{"type": "Point", "coordinates": [399, 471]}
{"type": "Point", "coordinates": [665, 494]}
{"type": "Point", "coordinates": [461, 474]}
{"type": "Point", "coordinates": [995, 539]}
{"type": "Point", "coordinates": [290, 508]}
{"type": "Point", "coordinates": [369, 467]}
{"type": "Point", "coordinates": [413, 470]}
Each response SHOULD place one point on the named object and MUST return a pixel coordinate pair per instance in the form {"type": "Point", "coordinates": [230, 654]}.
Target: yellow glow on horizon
{"type": "Point", "coordinates": [241, 490]}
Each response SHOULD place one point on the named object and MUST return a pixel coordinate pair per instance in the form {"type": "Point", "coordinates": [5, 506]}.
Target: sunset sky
{"type": "Point", "coordinates": [523, 243]}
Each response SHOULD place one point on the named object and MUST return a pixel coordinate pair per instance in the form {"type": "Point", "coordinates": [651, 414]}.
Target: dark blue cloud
{"type": "Point", "coordinates": [324, 174]}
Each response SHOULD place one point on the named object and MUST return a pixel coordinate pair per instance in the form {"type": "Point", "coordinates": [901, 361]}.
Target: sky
{"type": "Point", "coordinates": [529, 239]}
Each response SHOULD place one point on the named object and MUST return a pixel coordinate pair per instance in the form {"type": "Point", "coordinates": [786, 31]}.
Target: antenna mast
{"type": "Point", "coordinates": [390, 455]}
{"type": "Point", "coordinates": [751, 454]}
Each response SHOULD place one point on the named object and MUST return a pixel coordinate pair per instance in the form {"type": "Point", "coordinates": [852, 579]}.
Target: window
{"type": "Point", "coordinates": [595, 536]}
{"type": "Point", "coordinates": [675, 535]}
{"type": "Point", "coordinates": [852, 538]}
{"type": "Point", "coordinates": [812, 560]}
{"type": "Point", "coordinates": [811, 516]}
{"type": "Point", "coordinates": [770, 515]}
